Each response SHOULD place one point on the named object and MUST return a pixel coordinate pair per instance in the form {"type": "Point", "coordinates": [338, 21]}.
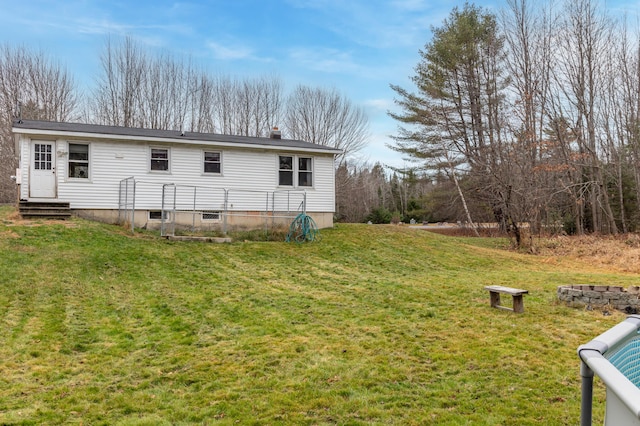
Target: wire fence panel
{"type": "Point", "coordinates": [192, 208]}
{"type": "Point", "coordinates": [126, 202]}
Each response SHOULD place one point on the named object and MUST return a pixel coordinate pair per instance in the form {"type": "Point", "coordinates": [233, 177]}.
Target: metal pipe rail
{"type": "Point", "coordinates": [125, 200]}
{"type": "Point", "coordinates": [196, 199]}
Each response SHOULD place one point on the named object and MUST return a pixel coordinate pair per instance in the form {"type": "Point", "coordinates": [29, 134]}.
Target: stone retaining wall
{"type": "Point", "coordinates": [627, 300]}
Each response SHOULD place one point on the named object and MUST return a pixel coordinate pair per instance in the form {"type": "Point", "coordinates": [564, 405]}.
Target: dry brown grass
{"type": "Point", "coordinates": [619, 253]}
{"type": "Point", "coordinates": [488, 232]}
{"type": "Point", "coordinates": [13, 218]}
{"type": "Point", "coordinates": [8, 234]}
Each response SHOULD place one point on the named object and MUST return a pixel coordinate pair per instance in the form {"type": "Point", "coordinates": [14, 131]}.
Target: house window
{"type": "Point", "coordinates": [157, 215]}
{"type": "Point", "coordinates": [78, 161]}
{"type": "Point", "coordinates": [305, 172]}
{"type": "Point", "coordinates": [210, 215]}
{"type": "Point", "coordinates": [285, 170]}
{"type": "Point", "coordinates": [160, 159]}
{"type": "Point", "coordinates": [212, 162]}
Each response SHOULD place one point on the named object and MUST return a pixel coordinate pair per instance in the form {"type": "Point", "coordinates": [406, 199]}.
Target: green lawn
{"type": "Point", "coordinates": [372, 325]}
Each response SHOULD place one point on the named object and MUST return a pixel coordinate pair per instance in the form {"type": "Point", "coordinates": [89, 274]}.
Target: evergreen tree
{"type": "Point", "coordinates": [453, 121]}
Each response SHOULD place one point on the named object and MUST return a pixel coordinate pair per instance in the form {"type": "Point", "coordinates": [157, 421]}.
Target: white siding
{"type": "Point", "coordinates": [324, 185]}
{"type": "Point", "coordinates": [248, 174]}
{"type": "Point", "coordinates": [25, 161]}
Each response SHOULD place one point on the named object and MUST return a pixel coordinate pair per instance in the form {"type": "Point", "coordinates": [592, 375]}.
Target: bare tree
{"type": "Point", "coordinates": [165, 86]}
{"type": "Point", "coordinates": [32, 87]}
{"type": "Point", "coordinates": [626, 87]}
{"type": "Point", "coordinates": [528, 31]}
{"type": "Point", "coordinates": [364, 188]}
{"type": "Point", "coordinates": [116, 99]}
{"type": "Point", "coordinates": [258, 105]}
{"type": "Point", "coordinates": [327, 118]}
{"type": "Point", "coordinates": [200, 104]}
{"type": "Point", "coordinates": [248, 107]}
{"type": "Point", "coordinates": [138, 89]}
{"type": "Point", "coordinates": [582, 51]}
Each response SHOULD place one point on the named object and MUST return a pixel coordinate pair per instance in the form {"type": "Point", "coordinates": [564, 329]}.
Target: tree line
{"type": "Point", "coordinates": [531, 115]}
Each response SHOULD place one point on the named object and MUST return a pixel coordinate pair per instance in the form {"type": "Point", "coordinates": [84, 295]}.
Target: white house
{"type": "Point", "coordinates": [196, 179]}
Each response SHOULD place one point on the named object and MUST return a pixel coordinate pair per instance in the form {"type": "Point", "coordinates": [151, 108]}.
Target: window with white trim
{"type": "Point", "coordinates": [78, 161]}
{"type": "Point", "coordinates": [295, 171]}
{"type": "Point", "coordinates": [285, 170]}
{"type": "Point", "coordinates": [212, 162]}
{"type": "Point", "coordinates": [159, 159]}
{"type": "Point", "coordinates": [305, 171]}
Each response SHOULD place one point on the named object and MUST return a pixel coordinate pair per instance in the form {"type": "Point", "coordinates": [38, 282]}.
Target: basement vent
{"type": "Point", "coordinates": [210, 215]}
{"type": "Point", "coordinates": [157, 215]}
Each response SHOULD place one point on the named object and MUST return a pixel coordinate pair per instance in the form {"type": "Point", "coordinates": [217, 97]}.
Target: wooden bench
{"type": "Point", "coordinates": [516, 293]}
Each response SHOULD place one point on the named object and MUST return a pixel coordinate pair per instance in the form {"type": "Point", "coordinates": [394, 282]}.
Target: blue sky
{"type": "Point", "coordinates": [358, 47]}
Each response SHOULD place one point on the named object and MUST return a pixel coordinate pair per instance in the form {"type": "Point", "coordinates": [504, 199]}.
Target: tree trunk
{"type": "Point", "coordinates": [464, 201]}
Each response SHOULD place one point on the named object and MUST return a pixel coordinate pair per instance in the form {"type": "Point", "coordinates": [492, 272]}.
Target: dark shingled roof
{"type": "Point", "coordinates": [168, 134]}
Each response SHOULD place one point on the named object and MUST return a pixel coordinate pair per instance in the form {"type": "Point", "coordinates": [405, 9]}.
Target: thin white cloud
{"type": "Point", "coordinates": [379, 104]}
{"type": "Point", "coordinates": [98, 27]}
{"type": "Point", "coordinates": [378, 24]}
{"type": "Point", "coordinates": [229, 52]}
{"type": "Point", "coordinates": [152, 35]}
{"type": "Point", "coordinates": [234, 51]}
{"type": "Point", "coordinates": [324, 60]}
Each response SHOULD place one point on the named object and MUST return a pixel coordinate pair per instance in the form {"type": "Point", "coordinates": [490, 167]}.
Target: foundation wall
{"type": "Point", "coordinates": [187, 220]}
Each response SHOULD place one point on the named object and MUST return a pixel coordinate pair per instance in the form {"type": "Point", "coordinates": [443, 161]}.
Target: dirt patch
{"type": "Point", "coordinates": [8, 234]}
{"type": "Point", "coordinates": [14, 219]}
{"type": "Point", "coordinates": [41, 222]}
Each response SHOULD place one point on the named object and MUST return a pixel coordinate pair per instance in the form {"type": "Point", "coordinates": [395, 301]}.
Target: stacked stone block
{"type": "Point", "coordinates": [617, 297]}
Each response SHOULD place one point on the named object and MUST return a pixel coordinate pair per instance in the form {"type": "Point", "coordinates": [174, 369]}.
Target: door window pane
{"type": "Point", "coordinates": [42, 157]}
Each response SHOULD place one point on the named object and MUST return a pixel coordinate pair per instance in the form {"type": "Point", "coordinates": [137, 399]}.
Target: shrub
{"type": "Point", "coordinates": [396, 217]}
{"type": "Point", "coordinates": [379, 215]}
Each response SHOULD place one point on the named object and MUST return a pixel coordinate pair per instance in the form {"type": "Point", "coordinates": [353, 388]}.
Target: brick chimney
{"type": "Point", "coordinates": [275, 133]}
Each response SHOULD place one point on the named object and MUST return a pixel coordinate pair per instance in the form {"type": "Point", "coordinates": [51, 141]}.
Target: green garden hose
{"type": "Point", "coordinates": [302, 229]}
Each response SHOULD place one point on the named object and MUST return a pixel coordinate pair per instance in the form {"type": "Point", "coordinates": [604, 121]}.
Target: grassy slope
{"type": "Point", "coordinates": [373, 325]}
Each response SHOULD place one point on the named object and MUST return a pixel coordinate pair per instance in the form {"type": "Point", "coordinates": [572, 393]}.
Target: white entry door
{"type": "Point", "coordinates": [43, 170]}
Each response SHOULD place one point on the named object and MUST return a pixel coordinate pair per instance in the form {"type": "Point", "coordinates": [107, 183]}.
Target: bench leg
{"type": "Point", "coordinates": [518, 304]}
{"type": "Point", "coordinates": [495, 299]}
